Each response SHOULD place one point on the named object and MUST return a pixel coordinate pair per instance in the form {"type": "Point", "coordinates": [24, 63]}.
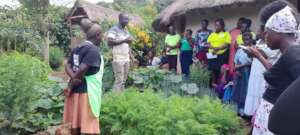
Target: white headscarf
{"type": "Point", "coordinates": [283, 21]}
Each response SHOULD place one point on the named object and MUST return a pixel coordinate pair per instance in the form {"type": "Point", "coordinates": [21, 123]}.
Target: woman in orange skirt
{"type": "Point", "coordinates": [84, 63]}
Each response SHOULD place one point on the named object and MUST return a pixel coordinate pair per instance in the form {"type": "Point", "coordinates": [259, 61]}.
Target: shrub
{"type": "Point", "coordinates": [200, 75]}
{"type": "Point", "coordinates": [134, 113]}
{"type": "Point", "coordinates": [21, 82]}
{"type": "Point", "coordinates": [56, 57]}
{"type": "Point", "coordinates": [47, 112]}
{"type": "Point", "coordinates": [108, 77]}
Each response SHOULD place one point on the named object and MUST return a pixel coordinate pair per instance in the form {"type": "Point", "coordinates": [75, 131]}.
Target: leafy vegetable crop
{"type": "Point", "coordinates": [148, 113]}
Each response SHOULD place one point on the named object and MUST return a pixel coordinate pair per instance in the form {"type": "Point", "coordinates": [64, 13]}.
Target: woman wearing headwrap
{"type": "Point", "coordinates": [281, 33]}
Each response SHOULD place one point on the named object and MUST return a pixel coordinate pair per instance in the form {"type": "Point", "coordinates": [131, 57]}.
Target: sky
{"type": "Point", "coordinates": [68, 3]}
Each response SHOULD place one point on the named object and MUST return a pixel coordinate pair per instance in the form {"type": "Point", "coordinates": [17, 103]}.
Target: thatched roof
{"type": "Point", "coordinates": [97, 13]}
{"type": "Point", "coordinates": [180, 7]}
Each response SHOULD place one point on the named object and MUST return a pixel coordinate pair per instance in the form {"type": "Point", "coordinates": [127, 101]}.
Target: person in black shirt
{"type": "Point", "coordinates": [284, 117]}
{"type": "Point", "coordinates": [281, 29]}
{"type": "Point", "coordinates": [84, 61]}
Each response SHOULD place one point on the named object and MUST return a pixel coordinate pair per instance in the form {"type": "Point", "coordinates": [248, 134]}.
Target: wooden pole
{"type": "Point", "coordinates": [45, 36]}
{"type": "Point", "coordinates": [1, 45]}
{"type": "Point", "coordinates": [23, 42]}
{"type": "Point", "coordinates": [7, 44]}
{"type": "Point", "coordinates": [15, 43]}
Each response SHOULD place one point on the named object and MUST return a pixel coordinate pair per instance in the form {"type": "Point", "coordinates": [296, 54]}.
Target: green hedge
{"type": "Point", "coordinates": [22, 80]}
{"type": "Point", "coordinates": [149, 113]}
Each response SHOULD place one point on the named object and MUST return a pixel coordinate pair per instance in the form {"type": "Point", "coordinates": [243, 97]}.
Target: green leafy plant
{"type": "Point", "coordinates": [47, 112]}
{"type": "Point", "coordinates": [149, 113]}
{"type": "Point", "coordinates": [146, 78]}
{"type": "Point", "coordinates": [200, 75]}
{"type": "Point", "coordinates": [56, 57]}
{"type": "Point", "coordinates": [108, 75]}
{"type": "Point", "coordinates": [169, 83]}
{"type": "Point", "coordinates": [22, 78]}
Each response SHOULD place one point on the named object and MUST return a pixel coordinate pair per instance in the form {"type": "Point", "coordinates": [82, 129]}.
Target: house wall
{"type": "Point", "coordinates": [294, 2]}
{"type": "Point", "coordinates": [230, 16]}
{"type": "Point", "coordinates": [298, 3]}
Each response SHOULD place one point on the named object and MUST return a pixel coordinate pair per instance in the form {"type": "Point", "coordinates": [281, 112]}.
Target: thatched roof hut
{"type": "Point", "coordinates": [184, 11]}
{"type": "Point", "coordinates": [97, 13]}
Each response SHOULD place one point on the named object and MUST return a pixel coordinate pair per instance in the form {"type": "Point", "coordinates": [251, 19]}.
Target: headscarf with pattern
{"type": "Point", "coordinates": [283, 21]}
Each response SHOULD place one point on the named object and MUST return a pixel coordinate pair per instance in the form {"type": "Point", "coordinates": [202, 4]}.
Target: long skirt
{"type": "Point", "coordinates": [261, 119]}
{"type": "Point", "coordinates": [77, 111]}
{"type": "Point", "coordinates": [256, 87]}
{"type": "Point", "coordinates": [241, 87]}
{"type": "Point", "coordinates": [186, 59]}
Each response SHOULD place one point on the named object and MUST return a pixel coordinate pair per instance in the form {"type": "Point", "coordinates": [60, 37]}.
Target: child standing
{"type": "Point", "coordinates": [242, 66]}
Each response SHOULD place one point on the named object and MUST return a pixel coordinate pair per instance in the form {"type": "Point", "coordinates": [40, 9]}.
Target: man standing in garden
{"type": "Point", "coordinates": [83, 95]}
{"type": "Point", "coordinates": [119, 39]}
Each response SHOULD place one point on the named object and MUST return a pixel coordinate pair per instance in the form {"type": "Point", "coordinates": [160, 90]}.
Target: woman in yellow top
{"type": "Point", "coordinates": [218, 53]}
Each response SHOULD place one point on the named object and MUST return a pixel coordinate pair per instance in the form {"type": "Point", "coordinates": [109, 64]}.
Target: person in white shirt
{"type": "Point", "coordinates": [119, 39]}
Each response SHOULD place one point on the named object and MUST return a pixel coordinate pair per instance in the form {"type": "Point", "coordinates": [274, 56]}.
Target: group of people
{"type": "Point", "coordinates": [250, 70]}
{"type": "Point", "coordinates": [259, 72]}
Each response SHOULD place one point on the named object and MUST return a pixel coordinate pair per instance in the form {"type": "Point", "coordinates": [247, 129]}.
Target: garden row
{"type": "Point", "coordinates": [157, 102]}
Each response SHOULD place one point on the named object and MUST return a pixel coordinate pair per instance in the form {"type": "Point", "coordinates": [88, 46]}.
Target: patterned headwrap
{"type": "Point", "coordinates": [283, 21]}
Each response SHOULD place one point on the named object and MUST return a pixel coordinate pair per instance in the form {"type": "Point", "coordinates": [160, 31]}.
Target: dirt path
{"type": "Point", "coordinates": [60, 74]}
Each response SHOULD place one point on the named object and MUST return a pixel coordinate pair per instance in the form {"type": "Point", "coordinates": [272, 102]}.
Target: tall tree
{"type": "Point", "coordinates": [39, 10]}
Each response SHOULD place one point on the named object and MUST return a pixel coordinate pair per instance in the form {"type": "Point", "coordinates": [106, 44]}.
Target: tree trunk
{"type": "Point", "coordinates": [45, 35]}
{"type": "Point", "coordinates": [46, 47]}
{"type": "Point", "coordinates": [1, 45]}
{"type": "Point", "coordinates": [7, 44]}
{"type": "Point", "coordinates": [15, 43]}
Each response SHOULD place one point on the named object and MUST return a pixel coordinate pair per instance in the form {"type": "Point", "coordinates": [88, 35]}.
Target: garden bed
{"type": "Point", "coordinates": [150, 113]}
{"type": "Point", "coordinates": [157, 102]}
